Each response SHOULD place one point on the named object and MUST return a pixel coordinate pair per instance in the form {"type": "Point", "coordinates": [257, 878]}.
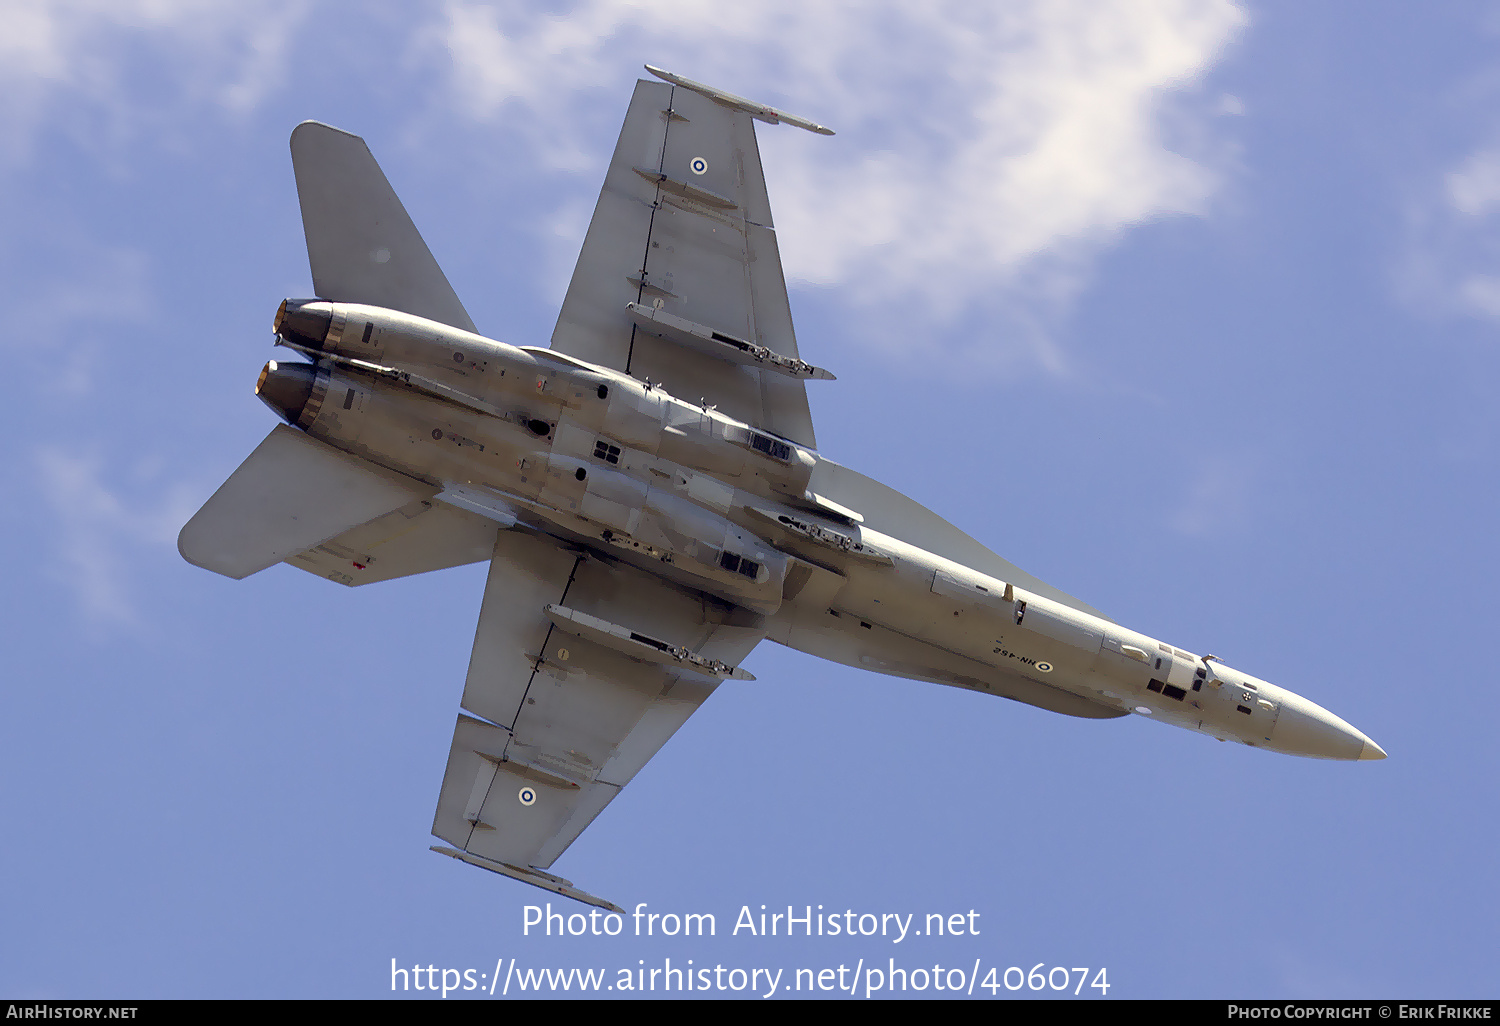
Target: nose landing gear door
{"type": "Point", "coordinates": [1173, 675]}
{"type": "Point", "coordinates": [1179, 669]}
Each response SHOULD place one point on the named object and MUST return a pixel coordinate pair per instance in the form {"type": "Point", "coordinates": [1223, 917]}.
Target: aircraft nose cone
{"type": "Point", "coordinates": [1306, 728]}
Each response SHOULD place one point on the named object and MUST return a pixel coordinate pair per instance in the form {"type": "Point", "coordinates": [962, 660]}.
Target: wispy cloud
{"type": "Point", "coordinates": [1451, 266]}
{"type": "Point", "coordinates": [1217, 498]}
{"type": "Point", "coordinates": [88, 59]}
{"type": "Point", "coordinates": [60, 325]}
{"type": "Point", "coordinates": [98, 527]}
{"type": "Point", "coordinates": [986, 154]}
{"type": "Point", "coordinates": [1468, 225]}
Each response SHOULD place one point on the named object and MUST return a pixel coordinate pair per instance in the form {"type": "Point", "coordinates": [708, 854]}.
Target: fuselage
{"type": "Point", "coordinates": [537, 440]}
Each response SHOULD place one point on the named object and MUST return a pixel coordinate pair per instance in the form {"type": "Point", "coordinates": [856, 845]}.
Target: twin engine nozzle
{"type": "Point", "coordinates": [288, 387]}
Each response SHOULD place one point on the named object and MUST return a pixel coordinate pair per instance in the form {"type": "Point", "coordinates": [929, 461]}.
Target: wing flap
{"type": "Point", "coordinates": [291, 494]}
{"type": "Point", "coordinates": [526, 574]}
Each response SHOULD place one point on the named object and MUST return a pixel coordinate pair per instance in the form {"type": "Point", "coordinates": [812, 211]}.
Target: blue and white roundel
{"type": "Point", "coordinates": [1044, 667]}
{"type": "Point", "coordinates": [698, 166]}
{"type": "Point", "coordinates": [527, 796]}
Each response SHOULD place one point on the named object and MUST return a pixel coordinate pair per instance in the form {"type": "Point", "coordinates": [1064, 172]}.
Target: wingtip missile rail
{"type": "Point", "coordinates": [758, 111]}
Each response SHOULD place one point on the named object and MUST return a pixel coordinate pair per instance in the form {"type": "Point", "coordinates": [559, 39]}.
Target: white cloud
{"type": "Point", "coordinates": [1480, 293]}
{"type": "Point", "coordinates": [56, 55]}
{"type": "Point", "coordinates": [1453, 263]}
{"type": "Point", "coordinates": [1451, 266]}
{"type": "Point", "coordinates": [1463, 263]}
{"type": "Point", "coordinates": [1474, 189]}
{"type": "Point", "coordinates": [986, 152]}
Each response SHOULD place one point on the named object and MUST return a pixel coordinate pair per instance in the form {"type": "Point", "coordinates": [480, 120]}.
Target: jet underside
{"type": "Point", "coordinates": [641, 540]}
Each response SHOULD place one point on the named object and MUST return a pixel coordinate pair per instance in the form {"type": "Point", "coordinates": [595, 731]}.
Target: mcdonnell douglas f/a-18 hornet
{"type": "Point", "coordinates": [647, 490]}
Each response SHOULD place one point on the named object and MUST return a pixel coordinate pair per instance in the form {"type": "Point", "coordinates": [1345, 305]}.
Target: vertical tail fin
{"type": "Point", "coordinates": [361, 242]}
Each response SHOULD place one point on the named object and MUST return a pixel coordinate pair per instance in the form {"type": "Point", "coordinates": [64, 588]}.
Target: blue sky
{"type": "Point", "coordinates": [1187, 307]}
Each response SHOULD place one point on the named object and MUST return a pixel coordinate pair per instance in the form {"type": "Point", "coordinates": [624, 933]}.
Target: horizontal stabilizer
{"type": "Point", "coordinates": [291, 494]}
{"type": "Point", "coordinates": [422, 536]}
{"type": "Point", "coordinates": [361, 243]}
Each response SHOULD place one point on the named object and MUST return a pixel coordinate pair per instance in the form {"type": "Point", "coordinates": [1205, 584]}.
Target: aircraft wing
{"type": "Point", "coordinates": [680, 280]}
{"type": "Point", "coordinates": [582, 669]}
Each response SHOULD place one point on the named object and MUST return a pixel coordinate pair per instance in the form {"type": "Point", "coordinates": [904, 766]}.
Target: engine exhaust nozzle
{"type": "Point", "coordinates": [304, 321]}
{"type": "Point", "coordinates": [286, 388]}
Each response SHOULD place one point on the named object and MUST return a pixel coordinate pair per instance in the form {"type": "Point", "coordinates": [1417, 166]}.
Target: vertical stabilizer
{"type": "Point", "coordinates": [361, 243]}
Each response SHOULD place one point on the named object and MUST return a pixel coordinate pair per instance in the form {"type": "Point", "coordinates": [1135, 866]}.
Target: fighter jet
{"type": "Point", "coordinates": [648, 492]}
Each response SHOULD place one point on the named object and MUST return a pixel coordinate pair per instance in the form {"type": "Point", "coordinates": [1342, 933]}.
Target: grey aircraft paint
{"type": "Point", "coordinates": [641, 540]}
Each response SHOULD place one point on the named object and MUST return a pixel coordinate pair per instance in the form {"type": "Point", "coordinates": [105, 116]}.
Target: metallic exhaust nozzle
{"type": "Point", "coordinates": [286, 388]}
{"type": "Point", "coordinates": [304, 321]}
